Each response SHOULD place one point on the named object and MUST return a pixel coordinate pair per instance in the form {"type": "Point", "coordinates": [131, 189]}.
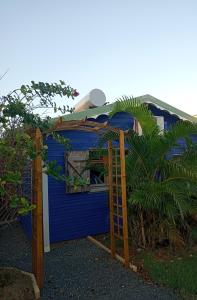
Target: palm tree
{"type": "Point", "coordinates": [161, 188]}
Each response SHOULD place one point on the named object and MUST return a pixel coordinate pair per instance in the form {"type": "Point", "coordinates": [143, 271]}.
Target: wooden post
{"type": "Point", "coordinates": [37, 214]}
{"type": "Point", "coordinates": [111, 206]}
{"type": "Point", "coordinates": [124, 199]}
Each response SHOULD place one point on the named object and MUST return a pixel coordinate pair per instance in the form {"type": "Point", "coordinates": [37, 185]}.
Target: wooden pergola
{"type": "Point", "coordinates": [83, 125]}
{"type": "Point", "coordinates": [117, 192]}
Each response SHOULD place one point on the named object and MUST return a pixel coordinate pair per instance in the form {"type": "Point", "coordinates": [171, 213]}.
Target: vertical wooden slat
{"type": "Point", "coordinates": [37, 214]}
{"type": "Point", "coordinates": [117, 193]}
{"type": "Point", "coordinates": [110, 174]}
{"type": "Point", "coordinates": [124, 198]}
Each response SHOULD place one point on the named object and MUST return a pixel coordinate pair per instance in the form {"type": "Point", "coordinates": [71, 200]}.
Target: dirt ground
{"type": "Point", "coordinates": [14, 285]}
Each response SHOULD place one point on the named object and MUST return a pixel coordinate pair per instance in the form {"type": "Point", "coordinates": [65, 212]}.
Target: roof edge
{"type": "Point", "coordinates": [92, 112]}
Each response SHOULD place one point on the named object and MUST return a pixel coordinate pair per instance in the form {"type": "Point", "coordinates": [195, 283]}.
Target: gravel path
{"type": "Point", "coordinates": [78, 270]}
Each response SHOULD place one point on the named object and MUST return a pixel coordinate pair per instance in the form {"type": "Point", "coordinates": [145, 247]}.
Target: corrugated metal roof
{"type": "Point", "coordinates": [146, 98]}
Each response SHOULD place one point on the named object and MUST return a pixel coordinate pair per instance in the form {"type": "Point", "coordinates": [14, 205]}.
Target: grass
{"type": "Point", "coordinates": [175, 270]}
{"type": "Point", "coordinates": [178, 273]}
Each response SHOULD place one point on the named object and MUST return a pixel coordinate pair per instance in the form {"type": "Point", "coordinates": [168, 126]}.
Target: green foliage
{"type": "Point", "coordinates": [92, 165]}
{"type": "Point", "coordinates": [107, 136]}
{"type": "Point", "coordinates": [75, 181]}
{"type": "Point", "coordinates": [62, 140]}
{"type": "Point", "coordinates": [54, 170]}
{"type": "Point", "coordinates": [139, 111]}
{"type": "Point", "coordinates": [161, 189]}
{"type": "Point", "coordinates": [180, 274]}
{"type": "Point", "coordinates": [19, 107]}
{"type": "Point", "coordinates": [22, 204]}
{"type": "Point", "coordinates": [18, 116]}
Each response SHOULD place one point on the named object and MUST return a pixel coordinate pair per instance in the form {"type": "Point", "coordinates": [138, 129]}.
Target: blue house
{"type": "Point", "coordinates": [74, 213]}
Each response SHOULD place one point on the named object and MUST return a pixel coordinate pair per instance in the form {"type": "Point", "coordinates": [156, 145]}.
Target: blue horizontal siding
{"type": "Point", "coordinates": [121, 120]}
{"type": "Point", "coordinates": [76, 215]}
{"type": "Point", "coordinates": [194, 139]}
{"type": "Point", "coordinates": [26, 223]}
{"type": "Point", "coordinates": [77, 218]}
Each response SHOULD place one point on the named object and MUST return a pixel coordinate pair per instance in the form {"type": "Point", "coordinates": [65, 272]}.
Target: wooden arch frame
{"type": "Point", "coordinates": [83, 125]}
{"type": "Point", "coordinates": [37, 214]}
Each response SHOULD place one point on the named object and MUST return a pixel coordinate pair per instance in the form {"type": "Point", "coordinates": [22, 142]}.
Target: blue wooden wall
{"type": "Point", "coordinates": [77, 215]}
{"type": "Point", "coordinates": [27, 188]}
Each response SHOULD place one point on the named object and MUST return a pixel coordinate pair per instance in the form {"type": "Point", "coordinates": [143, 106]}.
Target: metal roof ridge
{"type": "Point", "coordinates": [91, 112]}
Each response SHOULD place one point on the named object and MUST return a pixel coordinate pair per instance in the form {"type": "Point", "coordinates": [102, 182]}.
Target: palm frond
{"type": "Point", "coordinates": [189, 158]}
{"type": "Point", "coordinates": [180, 130]}
{"type": "Point", "coordinates": [108, 136]}
{"type": "Point", "coordinates": [166, 198]}
{"type": "Point", "coordinates": [139, 111]}
{"type": "Point", "coordinates": [175, 170]}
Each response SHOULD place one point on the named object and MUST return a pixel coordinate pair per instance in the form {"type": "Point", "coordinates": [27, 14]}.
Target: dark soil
{"type": "Point", "coordinates": [15, 285]}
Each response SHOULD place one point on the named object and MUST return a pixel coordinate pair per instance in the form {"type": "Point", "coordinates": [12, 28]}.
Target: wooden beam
{"type": "Point", "coordinates": [111, 207]}
{"type": "Point", "coordinates": [124, 198]}
{"type": "Point", "coordinates": [118, 257]}
{"type": "Point", "coordinates": [37, 214]}
{"type": "Point", "coordinates": [81, 125]}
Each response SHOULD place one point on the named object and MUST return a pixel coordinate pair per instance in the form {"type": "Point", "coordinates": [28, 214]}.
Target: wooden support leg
{"type": "Point", "coordinates": [37, 215]}
{"type": "Point", "coordinates": [124, 199]}
{"type": "Point", "coordinates": [111, 206]}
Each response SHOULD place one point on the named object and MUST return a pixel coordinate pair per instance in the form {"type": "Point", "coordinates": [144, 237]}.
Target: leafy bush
{"type": "Point", "coordinates": [20, 112]}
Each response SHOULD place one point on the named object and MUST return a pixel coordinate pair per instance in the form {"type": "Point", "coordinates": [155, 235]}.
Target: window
{"type": "Point", "coordinates": [98, 170]}
{"type": "Point", "coordinates": [87, 171]}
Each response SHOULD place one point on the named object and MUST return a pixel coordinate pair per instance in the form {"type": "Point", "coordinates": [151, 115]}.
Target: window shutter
{"type": "Point", "coordinates": [75, 162]}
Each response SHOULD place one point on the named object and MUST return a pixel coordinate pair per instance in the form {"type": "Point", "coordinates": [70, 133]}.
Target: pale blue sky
{"type": "Point", "coordinates": [122, 47]}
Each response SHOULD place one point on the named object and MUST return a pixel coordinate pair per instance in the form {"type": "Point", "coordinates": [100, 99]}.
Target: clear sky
{"type": "Point", "coordinates": [124, 47]}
